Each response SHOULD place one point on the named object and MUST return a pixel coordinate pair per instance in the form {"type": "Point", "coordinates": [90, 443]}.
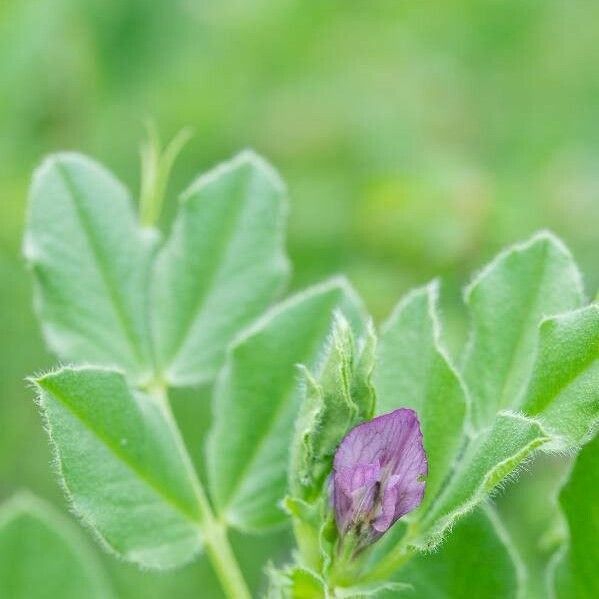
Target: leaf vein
{"type": "Point", "coordinates": [117, 301]}
{"type": "Point", "coordinates": [121, 457]}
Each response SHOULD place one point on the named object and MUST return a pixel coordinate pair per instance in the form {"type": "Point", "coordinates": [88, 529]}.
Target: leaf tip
{"type": "Point", "coordinates": [258, 162]}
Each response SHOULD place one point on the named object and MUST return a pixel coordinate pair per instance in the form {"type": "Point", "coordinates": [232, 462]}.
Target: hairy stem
{"type": "Point", "coordinates": [214, 534]}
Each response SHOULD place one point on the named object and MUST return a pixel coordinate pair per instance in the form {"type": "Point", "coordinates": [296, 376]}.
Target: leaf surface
{"type": "Point", "coordinates": [221, 267]}
{"type": "Point", "coordinates": [529, 512]}
{"type": "Point", "coordinates": [561, 409]}
{"type": "Point", "coordinates": [576, 574]}
{"type": "Point", "coordinates": [413, 371]}
{"type": "Point", "coordinates": [564, 388]}
{"type": "Point", "coordinates": [42, 555]}
{"type": "Point", "coordinates": [91, 265]}
{"type": "Point", "coordinates": [475, 561]}
{"type": "Point", "coordinates": [122, 465]}
{"type": "Point", "coordinates": [507, 302]}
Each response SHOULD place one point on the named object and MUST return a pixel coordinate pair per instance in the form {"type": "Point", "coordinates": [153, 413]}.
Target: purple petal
{"type": "Point", "coordinates": [377, 473]}
{"type": "Point", "coordinates": [388, 504]}
{"type": "Point", "coordinates": [350, 479]}
{"type": "Point", "coordinates": [351, 488]}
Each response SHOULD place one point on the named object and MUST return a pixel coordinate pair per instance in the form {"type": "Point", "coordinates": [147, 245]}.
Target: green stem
{"type": "Point", "coordinates": [395, 559]}
{"type": "Point", "coordinates": [224, 561]}
{"type": "Point", "coordinates": [214, 533]}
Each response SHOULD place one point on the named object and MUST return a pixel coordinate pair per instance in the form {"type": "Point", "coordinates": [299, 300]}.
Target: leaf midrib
{"type": "Point", "coordinates": [217, 258]}
{"type": "Point", "coordinates": [121, 457]}
{"type": "Point", "coordinates": [549, 398]}
{"type": "Point", "coordinates": [517, 344]}
{"type": "Point", "coordinates": [116, 299]}
{"type": "Point", "coordinates": [289, 391]}
{"type": "Point", "coordinates": [531, 304]}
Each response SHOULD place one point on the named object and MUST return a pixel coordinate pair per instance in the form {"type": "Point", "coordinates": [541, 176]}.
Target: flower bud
{"type": "Point", "coordinates": [378, 474]}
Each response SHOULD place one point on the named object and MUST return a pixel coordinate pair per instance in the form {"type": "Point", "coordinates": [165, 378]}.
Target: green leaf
{"type": "Point", "coordinates": [122, 465]}
{"type": "Point", "coordinates": [413, 371]}
{"type": "Point", "coordinates": [507, 301]}
{"type": "Point", "coordinates": [304, 584]}
{"type": "Point", "coordinates": [491, 456]}
{"type": "Point", "coordinates": [561, 408]}
{"type": "Point", "coordinates": [295, 582]}
{"type": "Point", "coordinates": [374, 589]}
{"type": "Point", "coordinates": [475, 561]}
{"type": "Point", "coordinates": [42, 555]}
{"type": "Point", "coordinates": [256, 401]}
{"type": "Point", "coordinates": [221, 267]}
{"type": "Point", "coordinates": [91, 265]}
{"type": "Point", "coordinates": [564, 388]}
{"type": "Point", "coordinates": [576, 574]}
{"type": "Point", "coordinates": [528, 509]}
{"type": "Point", "coordinates": [336, 399]}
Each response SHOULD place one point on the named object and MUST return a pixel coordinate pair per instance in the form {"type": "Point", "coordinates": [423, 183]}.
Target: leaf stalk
{"type": "Point", "coordinates": [213, 532]}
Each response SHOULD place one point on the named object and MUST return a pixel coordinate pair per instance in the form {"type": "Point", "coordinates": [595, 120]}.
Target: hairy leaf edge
{"type": "Point", "coordinates": [56, 464]}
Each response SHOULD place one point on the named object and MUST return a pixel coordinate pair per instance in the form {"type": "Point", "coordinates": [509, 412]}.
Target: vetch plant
{"type": "Point", "coordinates": [376, 448]}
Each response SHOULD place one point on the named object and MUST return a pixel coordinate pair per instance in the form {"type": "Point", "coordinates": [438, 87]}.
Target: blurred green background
{"type": "Point", "coordinates": [416, 137]}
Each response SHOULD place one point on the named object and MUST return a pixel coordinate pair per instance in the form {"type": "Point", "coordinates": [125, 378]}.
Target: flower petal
{"type": "Point", "coordinates": [378, 473]}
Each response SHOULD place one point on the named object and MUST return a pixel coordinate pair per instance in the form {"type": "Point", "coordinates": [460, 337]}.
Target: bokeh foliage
{"type": "Point", "coordinates": [416, 139]}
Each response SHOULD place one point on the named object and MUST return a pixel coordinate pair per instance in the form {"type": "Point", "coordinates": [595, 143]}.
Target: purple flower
{"type": "Point", "coordinates": [378, 475]}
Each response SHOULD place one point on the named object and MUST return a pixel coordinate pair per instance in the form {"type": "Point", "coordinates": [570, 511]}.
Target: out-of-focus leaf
{"type": "Point", "coordinates": [256, 401]}
{"type": "Point", "coordinates": [122, 465]}
{"type": "Point", "coordinates": [576, 575]}
{"type": "Point", "coordinates": [336, 399]}
{"type": "Point", "coordinates": [91, 265]}
{"type": "Point", "coordinates": [475, 561]}
{"type": "Point", "coordinates": [295, 582]}
{"type": "Point", "coordinates": [42, 555]}
{"type": "Point", "coordinates": [507, 301]}
{"type": "Point", "coordinates": [564, 388]}
{"type": "Point", "coordinates": [529, 512]}
{"type": "Point", "coordinates": [413, 371]}
{"type": "Point", "coordinates": [304, 584]}
{"type": "Point", "coordinates": [221, 267]}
